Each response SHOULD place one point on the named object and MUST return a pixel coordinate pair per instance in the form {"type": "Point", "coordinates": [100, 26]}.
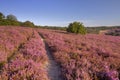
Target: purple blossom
{"type": "Point", "coordinates": [82, 57]}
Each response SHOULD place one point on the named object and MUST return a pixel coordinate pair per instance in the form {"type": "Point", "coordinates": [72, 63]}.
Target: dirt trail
{"type": "Point", "coordinates": [54, 71]}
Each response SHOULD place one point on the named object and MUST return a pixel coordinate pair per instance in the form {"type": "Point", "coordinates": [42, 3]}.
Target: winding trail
{"type": "Point", "coordinates": [54, 70]}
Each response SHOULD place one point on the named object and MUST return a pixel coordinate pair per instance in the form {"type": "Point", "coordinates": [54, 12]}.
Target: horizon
{"type": "Point", "coordinates": [61, 13]}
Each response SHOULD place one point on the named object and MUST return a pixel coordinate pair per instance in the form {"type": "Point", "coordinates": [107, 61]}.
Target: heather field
{"type": "Point", "coordinates": [85, 57]}
{"type": "Point", "coordinates": [22, 54]}
{"type": "Point", "coordinates": [42, 54]}
{"type": "Point", "coordinates": [60, 40]}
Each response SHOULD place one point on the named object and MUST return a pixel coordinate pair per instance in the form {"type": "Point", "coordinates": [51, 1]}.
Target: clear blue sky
{"type": "Point", "coordinates": [62, 12]}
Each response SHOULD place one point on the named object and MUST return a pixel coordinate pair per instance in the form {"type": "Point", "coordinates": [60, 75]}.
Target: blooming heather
{"type": "Point", "coordinates": [29, 60]}
{"type": "Point", "coordinates": [84, 57]}
{"type": "Point", "coordinates": [10, 39]}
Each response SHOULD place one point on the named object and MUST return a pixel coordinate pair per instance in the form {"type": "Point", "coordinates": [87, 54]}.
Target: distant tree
{"type": "Point", "coordinates": [77, 27]}
{"type": "Point", "coordinates": [11, 17]}
{"type": "Point", "coordinates": [27, 24]}
{"type": "Point", "coordinates": [2, 16]}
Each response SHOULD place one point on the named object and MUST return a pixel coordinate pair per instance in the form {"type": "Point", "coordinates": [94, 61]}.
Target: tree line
{"type": "Point", "coordinates": [11, 20]}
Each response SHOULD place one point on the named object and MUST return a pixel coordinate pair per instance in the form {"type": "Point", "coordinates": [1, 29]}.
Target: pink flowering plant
{"type": "Point", "coordinates": [83, 57]}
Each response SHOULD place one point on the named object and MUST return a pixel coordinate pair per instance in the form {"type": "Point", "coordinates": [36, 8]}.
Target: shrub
{"type": "Point", "coordinates": [76, 27]}
{"type": "Point", "coordinates": [27, 24]}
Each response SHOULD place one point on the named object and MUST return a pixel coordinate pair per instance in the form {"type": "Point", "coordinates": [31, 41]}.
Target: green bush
{"type": "Point", "coordinates": [76, 27]}
{"type": "Point", "coordinates": [27, 24]}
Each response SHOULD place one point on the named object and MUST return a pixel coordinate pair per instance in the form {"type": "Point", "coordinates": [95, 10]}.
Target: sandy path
{"type": "Point", "coordinates": [54, 70]}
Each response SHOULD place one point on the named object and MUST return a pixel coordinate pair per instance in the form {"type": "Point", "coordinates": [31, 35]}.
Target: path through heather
{"type": "Point", "coordinates": [54, 70]}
